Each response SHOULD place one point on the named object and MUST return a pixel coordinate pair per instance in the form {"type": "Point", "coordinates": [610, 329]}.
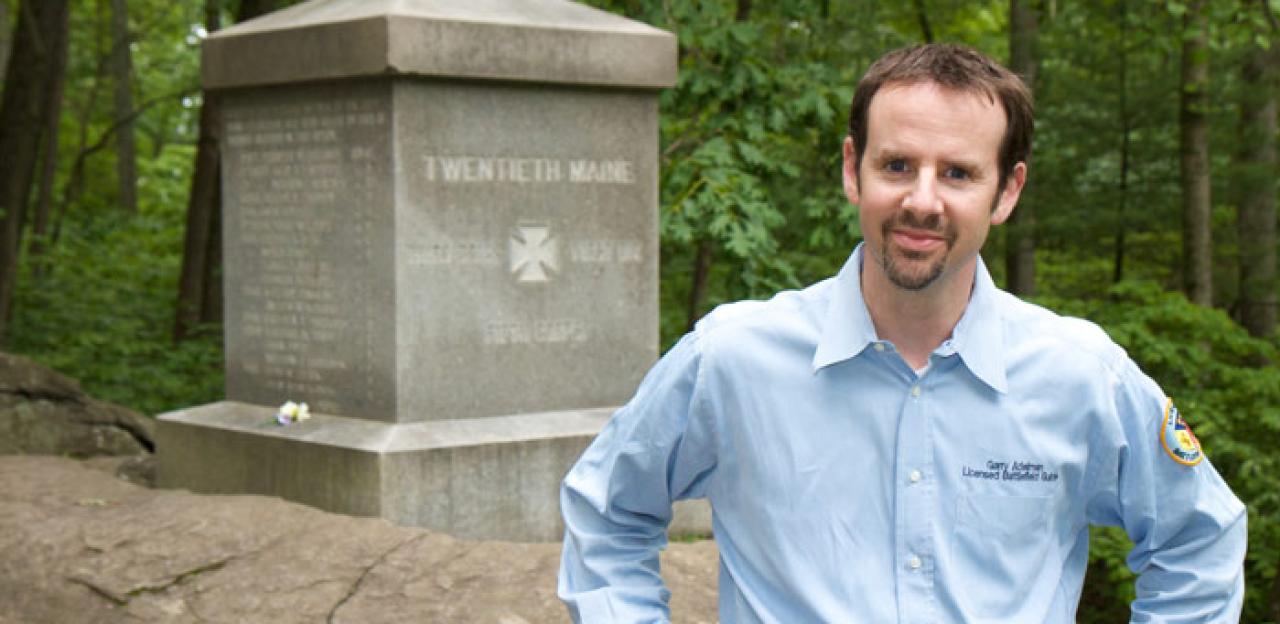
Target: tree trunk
{"type": "Point", "coordinates": [1126, 147]}
{"type": "Point", "coordinates": [698, 289]}
{"type": "Point", "coordinates": [122, 77]}
{"type": "Point", "coordinates": [203, 203]}
{"type": "Point", "coordinates": [1256, 219]}
{"type": "Point", "coordinates": [211, 304]}
{"type": "Point", "coordinates": [1126, 144]}
{"type": "Point", "coordinates": [199, 283]}
{"type": "Point", "coordinates": [1273, 607]}
{"type": "Point", "coordinates": [922, 15]}
{"type": "Point", "coordinates": [49, 160]}
{"type": "Point", "coordinates": [1197, 250]}
{"type": "Point", "coordinates": [5, 29]}
{"type": "Point", "coordinates": [22, 110]}
{"type": "Point", "coordinates": [1020, 237]}
{"type": "Point", "coordinates": [250, 9]}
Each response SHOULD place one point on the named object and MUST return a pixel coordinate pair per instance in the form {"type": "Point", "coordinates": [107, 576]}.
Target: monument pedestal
{"type": "Point", "coordinates": [439, 231]}
{"type": "Point", "coordinates": [479, 478]}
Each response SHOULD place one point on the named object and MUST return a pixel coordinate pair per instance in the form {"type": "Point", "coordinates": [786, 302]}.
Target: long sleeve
{"type": "Point", "coordinates": [616, 500]}
{"type": "Point", "coordinates": [1188, 529]}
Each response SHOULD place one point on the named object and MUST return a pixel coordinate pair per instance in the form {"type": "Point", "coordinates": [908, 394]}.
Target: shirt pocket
{"type": "Point", "coordinates": [1007, 516]}
{"type": "Point", "coordinates": [1000, 551]}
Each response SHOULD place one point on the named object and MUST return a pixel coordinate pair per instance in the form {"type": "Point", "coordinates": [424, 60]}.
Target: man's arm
{"type": "Point", "coordinates": [1188, 529]}
{"type": "Point", "coordinates": [617, 499]}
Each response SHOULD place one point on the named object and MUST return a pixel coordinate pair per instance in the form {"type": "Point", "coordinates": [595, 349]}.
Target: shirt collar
{"type": "Point", "coordinates": [978, 338]}
{"type": "Point", "coordinates": [847, 328]}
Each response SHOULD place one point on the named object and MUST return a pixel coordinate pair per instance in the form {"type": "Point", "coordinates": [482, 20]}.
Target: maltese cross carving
{"type": "Point", "coordinates": [534, 256]}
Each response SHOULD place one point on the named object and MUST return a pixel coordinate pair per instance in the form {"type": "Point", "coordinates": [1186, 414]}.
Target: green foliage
{"type": "Point", "coordinates": [1227, 386]}
{"type": "Point", "coordinates": [738, 135]}
{"type": "Point", "coordinates": [103, 312]}
{"type": "Point", "coordinates": [165, 52]}
{"type": "Point", "coordinates": [751, 136]}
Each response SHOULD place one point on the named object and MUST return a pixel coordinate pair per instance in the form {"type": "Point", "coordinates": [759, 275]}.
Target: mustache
{"type": "Point", "coordinates": [930, 223]}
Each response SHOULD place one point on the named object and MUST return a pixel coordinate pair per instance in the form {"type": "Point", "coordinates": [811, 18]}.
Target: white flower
{"type": "Point", "coordinates": [292, 412]}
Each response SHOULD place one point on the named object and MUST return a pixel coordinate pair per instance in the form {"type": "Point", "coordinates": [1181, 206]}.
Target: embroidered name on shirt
{"type": "Point", "coordinates": [1009, 471]}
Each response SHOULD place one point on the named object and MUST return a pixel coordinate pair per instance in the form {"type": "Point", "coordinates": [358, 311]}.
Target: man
{"type": "Point", "coordinates": [904, 442]}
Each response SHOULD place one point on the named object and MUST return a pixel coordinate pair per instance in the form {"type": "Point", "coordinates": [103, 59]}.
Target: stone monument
{"type": "Point", "coordinates": [440, 231]}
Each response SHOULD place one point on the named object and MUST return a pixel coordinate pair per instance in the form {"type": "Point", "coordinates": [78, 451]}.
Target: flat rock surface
{"type": "Point", "coordinates": [78, 544]}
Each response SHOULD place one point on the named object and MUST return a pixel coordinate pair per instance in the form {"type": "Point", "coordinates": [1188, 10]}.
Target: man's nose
{"type": "Point", "coordinates": [924, 194]}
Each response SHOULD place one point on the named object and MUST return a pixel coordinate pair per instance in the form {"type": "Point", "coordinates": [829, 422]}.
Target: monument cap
{"type": "Point", "coordinates": [546, 41]}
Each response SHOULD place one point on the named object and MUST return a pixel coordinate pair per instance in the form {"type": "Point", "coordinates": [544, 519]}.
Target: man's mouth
{"type": "Point", "coordinates": [919, 241]}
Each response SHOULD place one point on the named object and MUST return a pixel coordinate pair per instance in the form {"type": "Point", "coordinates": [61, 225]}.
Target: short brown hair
{"type": "Point", "coordinates": [958, 68]}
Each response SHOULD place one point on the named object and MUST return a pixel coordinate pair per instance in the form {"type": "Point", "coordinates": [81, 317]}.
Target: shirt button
{"type": "Point", "coordinates": [914, 562]}
{"type": "Point", "coordinates": [879, 346]}
{"type": "Point", "coordinates": [915, 476]}
{"type": "Point", "coordinates": [915, 391]}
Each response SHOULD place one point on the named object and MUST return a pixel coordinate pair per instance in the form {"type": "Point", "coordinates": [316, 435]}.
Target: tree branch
{"type": "Point", "coordinates": [106, 135]}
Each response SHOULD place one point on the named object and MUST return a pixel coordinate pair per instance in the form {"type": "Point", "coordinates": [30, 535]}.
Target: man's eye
{"type": "Point", "coordinates": [956, 173]}
{"type": "Point", "coordinates": [896, 166]}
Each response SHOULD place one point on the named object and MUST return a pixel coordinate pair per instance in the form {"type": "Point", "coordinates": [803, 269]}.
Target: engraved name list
{"type": "Point", "coordinates": [301, 174]}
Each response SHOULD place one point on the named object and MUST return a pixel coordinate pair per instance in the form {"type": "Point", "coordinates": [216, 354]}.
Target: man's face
{"type": "Point", "coordinates": [928, 184]}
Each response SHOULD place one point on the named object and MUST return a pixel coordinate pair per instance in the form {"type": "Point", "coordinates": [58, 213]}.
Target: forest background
{"type": "Point", "coordinates": [1150, 207]}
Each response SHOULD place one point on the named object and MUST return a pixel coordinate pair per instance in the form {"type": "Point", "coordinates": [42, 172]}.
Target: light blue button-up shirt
{"type": "Point", "coordinates": [845, 487]}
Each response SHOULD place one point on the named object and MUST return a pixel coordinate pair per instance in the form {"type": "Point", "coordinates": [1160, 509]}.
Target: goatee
{"type": "Point", "coordinates": [898, 270]}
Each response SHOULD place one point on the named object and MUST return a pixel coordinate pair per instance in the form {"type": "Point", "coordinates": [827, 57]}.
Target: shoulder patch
{"type": "Point", "coordinates": [1177, 439]}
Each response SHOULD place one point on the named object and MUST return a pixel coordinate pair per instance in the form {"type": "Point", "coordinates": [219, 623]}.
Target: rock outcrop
{"type": "Point", "coordinates": [43, 411]}
{"type": "Point", "coordinates": [80, 545]}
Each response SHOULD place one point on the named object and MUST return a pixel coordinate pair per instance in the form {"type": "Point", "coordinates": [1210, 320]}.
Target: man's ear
{"type": "Point", "coordinates": [850, 170]}
{"type": "Point", "coordinates": [1009, 196]}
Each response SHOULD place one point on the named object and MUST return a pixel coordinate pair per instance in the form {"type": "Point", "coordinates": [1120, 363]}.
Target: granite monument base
{"type": "Point", "coordinates": [484, 478]}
